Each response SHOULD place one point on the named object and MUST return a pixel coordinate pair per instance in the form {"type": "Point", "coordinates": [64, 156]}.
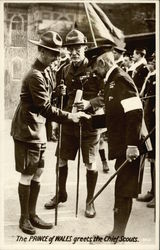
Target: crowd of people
{"type": "Point", "coordinates": [102, 88]}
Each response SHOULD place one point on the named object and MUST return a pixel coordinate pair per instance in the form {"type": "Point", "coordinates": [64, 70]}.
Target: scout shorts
{"type": "Point", "coordinates": [28, 156]}
{"type": "Point", "coordinates": [89, 147]}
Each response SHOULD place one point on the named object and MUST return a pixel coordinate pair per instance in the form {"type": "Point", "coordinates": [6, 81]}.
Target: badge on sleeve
{"type": "Point", "coordinates": [111, 85]}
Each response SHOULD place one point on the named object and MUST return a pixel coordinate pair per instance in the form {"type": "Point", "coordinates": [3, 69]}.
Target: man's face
{"type": "Point", "coordinates": [77, 53]}
{"type": "Point", "coordinates": [50, 56]}
{"type": "Point", "coordinates": [127, 61]}
{"type": "Point", "coordinates": [99, 68]}
{"type": "Point", "coordinates": [117, 55]}
{"type": "Point", "coordinates": [151, 66]}
{"type": "Point", "coordinates": [136, 56]}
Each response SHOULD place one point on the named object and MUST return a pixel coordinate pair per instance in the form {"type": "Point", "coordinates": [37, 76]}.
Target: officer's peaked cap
{"type": "Point", "coordinates": [95, 52]}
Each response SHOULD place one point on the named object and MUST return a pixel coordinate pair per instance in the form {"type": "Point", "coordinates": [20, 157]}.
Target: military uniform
{"type": "Point", "coordinates": [148, 94]}
{"type": "Point", "coordinates": [123, 109]}
{"type": "Point", "coordinates": [120, 122]}
{"type": "Point", "coordinates": [138, 74]}
{"type": "Point", "coordinates": [28, 124]}
{"type": "Point", "coordinates": [91, 88]}
{"type": "Point", "coordinates": [35, 106]}
{"type": "Point", "coordinates": [76, 76]}
{"type": "Point", "coordinates": [149, 108]}
{"type": "Point", "coordinates": [29, 131]}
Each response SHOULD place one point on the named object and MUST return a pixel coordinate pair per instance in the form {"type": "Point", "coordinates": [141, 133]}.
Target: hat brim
{"type": "Point", "coordinates": [120, 49]}
{"type": "Point", "coordinates": [46, 47]}
{"type": "Point", "coordinates": [97, 51]}
{"type": "Point", "coordinates": [73, 44]}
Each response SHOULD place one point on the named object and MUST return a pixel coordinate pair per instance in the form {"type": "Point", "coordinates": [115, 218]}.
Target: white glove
{"type": "Point", "coordinates": [75, 117]}
{"type": "Point", "coordinates": [132, 153]}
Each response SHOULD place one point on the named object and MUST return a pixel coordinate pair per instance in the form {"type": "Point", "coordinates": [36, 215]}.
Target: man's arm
{"type": "Point", "coordinates": [133, 110]}
{"type": "Point", "coordinates": [42, 102]}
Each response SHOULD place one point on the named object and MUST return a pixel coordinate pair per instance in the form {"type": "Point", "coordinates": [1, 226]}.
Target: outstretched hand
{"type": "Point", "coordinates": [75, 117]}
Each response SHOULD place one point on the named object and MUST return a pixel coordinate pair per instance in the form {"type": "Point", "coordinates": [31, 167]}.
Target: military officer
{"type": "Point", "coordinates": [28, 129]}
{"type": "Point", "coordinates": [123, 120]}
{"type": "Point", "coordinates": [76, 76]}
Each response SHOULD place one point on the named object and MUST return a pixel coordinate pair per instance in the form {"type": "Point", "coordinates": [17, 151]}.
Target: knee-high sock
{"type": "Point", "coordinates": [24, 193]}
{"type": "Point", "coordinates": [91, 177]}
{"type": "Point", "coordinates": [34, 192]}
{"type": "Point", "coordinates": [102, 154]}
{"type": "Point", "coordinates": [63, 173]}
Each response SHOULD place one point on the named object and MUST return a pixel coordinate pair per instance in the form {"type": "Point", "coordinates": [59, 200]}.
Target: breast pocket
{"type": "Point", "coordinates": [31, 117]}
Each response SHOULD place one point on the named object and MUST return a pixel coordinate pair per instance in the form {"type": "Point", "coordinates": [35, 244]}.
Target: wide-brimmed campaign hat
{"type": "Point", "coordinates": [75, 37]}
{"type": "Point", "coordinates": [49, 40]}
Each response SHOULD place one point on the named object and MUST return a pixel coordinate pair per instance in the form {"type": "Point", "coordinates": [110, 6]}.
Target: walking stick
{"type": "Point", "coordinates": [78, 97]}
{"type": "Point", "coordinates": [78, 167]}
{"type": "Point", "coordinates": [57, 164]}
{"type": "Point", "coordinates": [118, 170]}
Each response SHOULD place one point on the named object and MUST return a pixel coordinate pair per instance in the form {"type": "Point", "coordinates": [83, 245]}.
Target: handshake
{"type": "Point", "coordinates": [76, 117]}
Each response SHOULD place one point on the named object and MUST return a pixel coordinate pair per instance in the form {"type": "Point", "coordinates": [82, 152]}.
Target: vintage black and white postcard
{"type": "Point", "coordinates": [79, 124]}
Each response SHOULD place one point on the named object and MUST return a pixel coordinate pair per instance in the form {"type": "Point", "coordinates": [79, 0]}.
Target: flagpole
{"type": "Point", "coordinates": [90, 25]}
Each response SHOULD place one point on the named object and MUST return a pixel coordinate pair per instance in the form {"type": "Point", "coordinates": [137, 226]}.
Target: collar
{"type": "Point", "coordinates": [137, 64]}
{"type": "Point", "coordinates": [152, 73]}
{"type": "Point", "coordinates": [109, 72]}
{"type": "Point", "coordinates": [120, 59]}
{"type": "Point", "coordinates": [38, 65]}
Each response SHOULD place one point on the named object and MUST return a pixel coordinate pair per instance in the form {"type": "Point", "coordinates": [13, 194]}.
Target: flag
{"type": "Point", "coordinates": [102, 26]}
{"type": "Point", "coordinates": [99, 28]}
{"type": "Point", "coordinates": [113, 30]}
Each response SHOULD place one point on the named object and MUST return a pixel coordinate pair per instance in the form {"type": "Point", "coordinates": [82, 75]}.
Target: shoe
{"type": "Point", "coordinates": [90, 210]}
{"type": "Point", "coordinates": [26, 227]}
{"type": "Point", "coordinates": [52, 203]}
{"type": "Point", "coordinates": [54, 138]}
{"type": "Point", "coordinates": [114, 234]}
{"type": "Point", "coordinates": [145, 198]}
{"type": "Point", "coordinates": [105, 167]}
{"type": "Point", "coordinates": [39, 223]}
{"type": "Point", "coordinates": [151, 204]}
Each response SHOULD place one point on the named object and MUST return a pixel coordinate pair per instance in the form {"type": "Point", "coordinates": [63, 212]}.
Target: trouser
{"type": "Point", "coordinates": [122, 210]}
{"type": "Point", "coordinates": [126, 188]}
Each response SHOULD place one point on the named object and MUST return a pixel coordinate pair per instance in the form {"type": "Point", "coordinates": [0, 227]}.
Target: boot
{"type": "Point", "coordinates": [62, 194]}
{"type": "Point", "coordinates": [122, 210]}
{"type": "Point", "coordinates": [24, 223]}
{"type": "Point", "coordinates": [104, 161]}
{"type": "Point", "coordinates": [39, 223]}
{"type": "Point", "coordinates": [91, 183]}
{"type": "Point", "coordinates": [105, 167]}
{"type": "Point", "coordinates": [151, 204]}
{"type": "Point", "coordinates": [145, 198]}
{"type": "Point", "coordinates": [26, 226]}
{"type": "Point", "coordinates": [34, 219]}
